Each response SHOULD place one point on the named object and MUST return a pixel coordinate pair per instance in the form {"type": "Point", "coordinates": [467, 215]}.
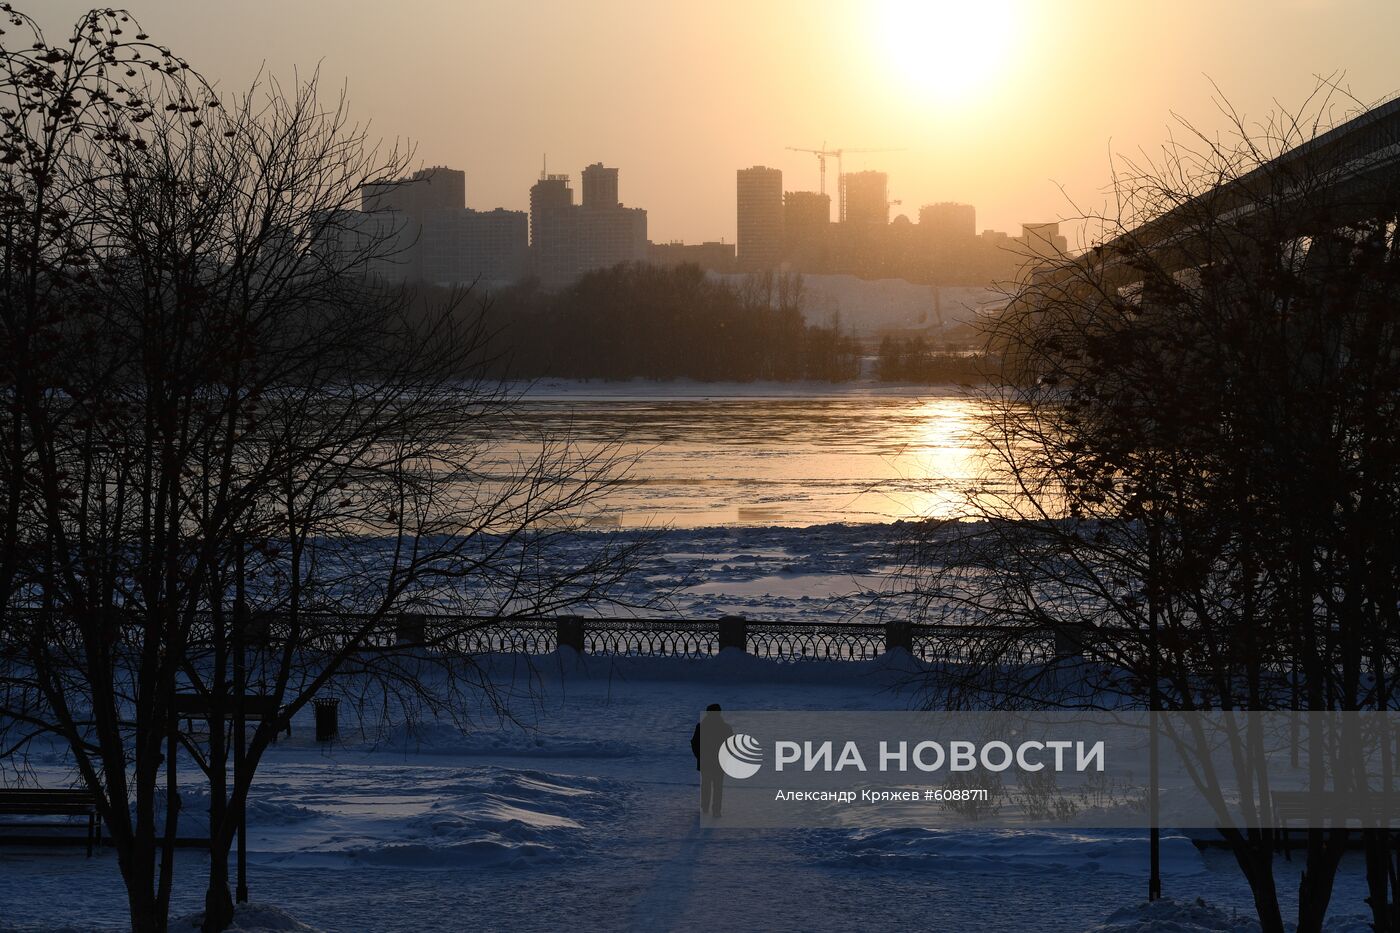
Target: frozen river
{"type": "Point", "coordinates": [708, 455]}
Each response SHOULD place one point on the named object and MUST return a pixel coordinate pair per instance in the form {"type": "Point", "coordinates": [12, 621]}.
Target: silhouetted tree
{"type": "Point", "coordinates": [231, 462]}
{"type": "Point", "coordinates": [639, 321]}
{"type": "Point", "coordinates": [1198, 474]}
{"type": "Point", "coordinates": [913, 360]}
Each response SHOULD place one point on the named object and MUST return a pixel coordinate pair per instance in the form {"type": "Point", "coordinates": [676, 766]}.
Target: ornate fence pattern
{"type": "Point", "coordinates": [779, 641]}
{"type": "Point", "coordinates": [795, 641]}
{"type": "Point", "coordinates": [619, 637]}
{"type": "Point", "coordinates": [650, 638]}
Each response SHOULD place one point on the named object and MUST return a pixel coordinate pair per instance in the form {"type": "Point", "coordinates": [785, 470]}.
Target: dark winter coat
{"type": "Point", "coordinates": [710, 734]}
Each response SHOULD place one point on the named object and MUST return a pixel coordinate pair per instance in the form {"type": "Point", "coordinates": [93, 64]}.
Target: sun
{"type": "Point", "coordinates": [950, 51]}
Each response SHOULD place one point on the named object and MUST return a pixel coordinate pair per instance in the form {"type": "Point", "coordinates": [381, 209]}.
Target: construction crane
{"type": "Point", "coordinates": [822, 155]}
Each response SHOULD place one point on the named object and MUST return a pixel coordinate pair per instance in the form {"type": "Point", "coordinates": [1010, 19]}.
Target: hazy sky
{"type": "Point", "coordinates": [993, 102]}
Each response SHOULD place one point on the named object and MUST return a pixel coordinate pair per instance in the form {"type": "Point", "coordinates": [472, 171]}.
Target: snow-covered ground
{"type": "Point", "coordinates": [583, 817]}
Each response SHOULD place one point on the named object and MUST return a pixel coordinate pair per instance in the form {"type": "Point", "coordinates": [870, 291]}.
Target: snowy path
{"type": "Point", "coordinates": [670, 891]}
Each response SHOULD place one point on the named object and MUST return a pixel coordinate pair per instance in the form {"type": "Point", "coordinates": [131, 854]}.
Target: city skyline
{"type": "Point", "coordinates": [438, 239]}
{"type": "Point", "coordinates": [1021, 99]}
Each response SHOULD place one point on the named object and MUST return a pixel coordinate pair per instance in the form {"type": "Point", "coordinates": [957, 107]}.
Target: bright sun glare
{"type": "Point", "coordinates": [947, 50]}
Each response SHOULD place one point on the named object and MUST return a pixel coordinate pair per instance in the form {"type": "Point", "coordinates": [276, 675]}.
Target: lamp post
{"type": "Point", "coordinates": [1154, 702]}
{"type": "Point", "coordinates": [240, 693]}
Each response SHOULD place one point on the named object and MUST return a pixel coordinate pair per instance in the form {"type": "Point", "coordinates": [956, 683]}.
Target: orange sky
{"type": "Point", "coordinates": [997, 103]}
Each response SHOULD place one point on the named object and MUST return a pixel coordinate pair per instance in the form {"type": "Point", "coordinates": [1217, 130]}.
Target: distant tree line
{"type": "Point", "coordinates": [913, 359]}
{"type": "Point", "coordinates": [651, 322]}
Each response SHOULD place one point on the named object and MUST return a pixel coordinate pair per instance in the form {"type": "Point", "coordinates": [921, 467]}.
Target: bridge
{"type": "Point", "coordinates": [1347, 175]}
{"type": "Point", "coordinates": [1305, 208]}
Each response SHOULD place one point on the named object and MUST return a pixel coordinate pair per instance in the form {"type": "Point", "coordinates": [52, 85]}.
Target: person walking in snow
{"type": "Point", "coordinates": [710, 734]}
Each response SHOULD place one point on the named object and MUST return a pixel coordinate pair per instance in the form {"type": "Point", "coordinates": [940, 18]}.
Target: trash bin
{"type": "Point", "coordinates": [327, 715]}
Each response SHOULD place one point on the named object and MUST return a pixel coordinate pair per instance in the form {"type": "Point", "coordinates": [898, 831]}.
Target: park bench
{"type": "Point", "coordinates": [256, 708]}
{"type": "Point", "coordinates": [1330, 808]}
{"type": "Point", "coordinates": [39, 801]}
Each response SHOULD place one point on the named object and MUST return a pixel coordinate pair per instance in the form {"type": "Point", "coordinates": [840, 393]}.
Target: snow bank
{"type": "Point", "coordinates": [488, 817]}
{"type": "Point", "coordinates": [263, 811]}
{"type": "Point", "coordinates": [1169, 916]}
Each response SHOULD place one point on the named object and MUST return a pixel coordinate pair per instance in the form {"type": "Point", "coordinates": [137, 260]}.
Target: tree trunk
{"type": "Point", "coordinates": [1315, 887]}
{"type": "Point", "coordinates": [166, 884]}
{"type": "Point", "coordinates": [138, 870]}
{"type": "Point", "coordinates": [1378, 879]}
{"type": "Point", "coordinates": [1255, 858]}
{"type": "Point", "coordinates": [145, 918]}
{"type": "Point", "coordinates": [218, 901]}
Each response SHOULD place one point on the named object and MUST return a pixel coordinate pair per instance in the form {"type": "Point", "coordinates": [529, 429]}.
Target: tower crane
{"type": "Point", "coordinates": [822, 155]}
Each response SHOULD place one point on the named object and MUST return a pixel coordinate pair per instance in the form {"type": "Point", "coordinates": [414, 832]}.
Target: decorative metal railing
{"type": "Point", "coordinates": [618, 637]}
{"type": "Point", "coordinates": [835, 642]}
{"type": "Point", "coordinates": [508, 637]}
{"type": "Point", "coordinates": [672, 638]}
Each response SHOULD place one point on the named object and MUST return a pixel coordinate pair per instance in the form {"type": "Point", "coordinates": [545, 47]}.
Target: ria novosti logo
{"type": "Point", "coordinates": [741, 756]}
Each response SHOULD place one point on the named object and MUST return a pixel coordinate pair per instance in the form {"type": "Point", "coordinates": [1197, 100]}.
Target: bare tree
{"type": "Point", "coordinates": [1196, 473]}
{"type": "Point", "coordinates": [234, 460]}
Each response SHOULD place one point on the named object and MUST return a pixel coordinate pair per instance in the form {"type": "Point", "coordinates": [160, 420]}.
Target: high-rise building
{"type": "Point", "coordinates": [1043, 241]}
{"type": "Point", "coordinates": [948, 223]}
{"type": "Point", "coordinates": [553, 249]}
{"type": "Point", "coordinates": [358, 242]}
{"type": "Point", "coordinates": [568, 240]}
{"type": "Point", "coordinates": [608, 236]}
{"type": "Point", "coordinates": [945, 244]}
{"type": "Point", "coordinates": [550, 193]}
{"type": "Point", "coordinates": [805, 210]}
{"type": "Point", "coordinates": [599, 186]}
{"type": "Point", "coordinates": [463, 245]}
{"type": "Point", "coordinates": [866, 197]}
{"type": "Point", "coordinates": [434, 188]}
{"type": "Point", "coordinates": [609, 233]}
{"type": "Point", "coordinates": [760, 217]}
{"type": "Point", "coordinates": [430, 235]}
{"type": "Point", "coordinates": [807, 229]}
